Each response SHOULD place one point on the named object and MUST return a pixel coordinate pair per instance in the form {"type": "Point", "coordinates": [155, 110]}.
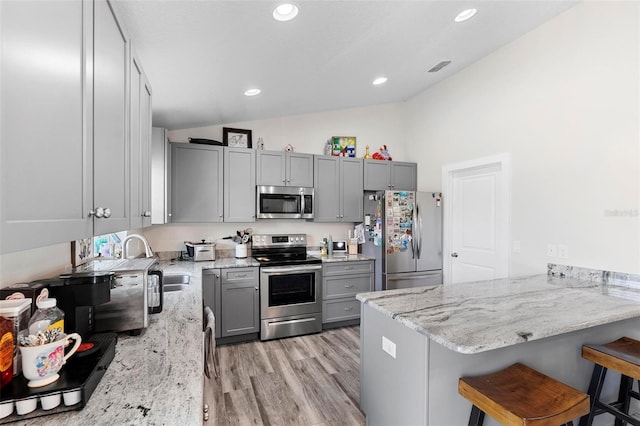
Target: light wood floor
{"type": "Point", "coordinates": [305, 380]}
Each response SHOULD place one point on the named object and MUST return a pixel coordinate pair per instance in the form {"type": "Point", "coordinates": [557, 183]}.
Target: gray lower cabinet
{"type": "Point", "coordinates": [382, 175]}
{"type": "Point", "coordinates": [338, 189]}
{"type": "Point", "coordinates": [341, 281]}
{"type": "Point", "coordinates": [233, 296]}
{"type": "Point", "coordinates": [140, 146]}
{"type": "Point", "coordinates": [239, 301]}
{"type": "Point", "coordinates": [239, 185]}
{"type": "Point", "coordinates": [196, 183]}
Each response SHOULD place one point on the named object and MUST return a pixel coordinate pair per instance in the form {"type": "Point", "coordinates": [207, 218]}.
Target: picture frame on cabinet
{"type": "Point", "coordinates": [239, 138]}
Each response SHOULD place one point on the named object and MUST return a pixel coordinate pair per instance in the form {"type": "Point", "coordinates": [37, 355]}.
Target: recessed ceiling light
{"type": "Point", "coordinates": [252, 92]}
{"type": "Point", "coordinates": [285, 12]}
{"type": "Point", "coordinates": [465, 14]}
{"type": "Point", "coordinates": [379, 80]}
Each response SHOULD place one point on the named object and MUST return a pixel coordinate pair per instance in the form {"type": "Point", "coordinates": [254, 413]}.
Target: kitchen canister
{"type": "Point", "coordinates": [241, 251]}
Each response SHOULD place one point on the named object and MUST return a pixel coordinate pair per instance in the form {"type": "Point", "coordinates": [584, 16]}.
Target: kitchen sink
{"type": "Point", "coordinates": [175, 282]}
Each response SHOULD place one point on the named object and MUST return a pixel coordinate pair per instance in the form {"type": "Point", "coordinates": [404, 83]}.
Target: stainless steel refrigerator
{"type": "Point", "coordinates": [403, 231]}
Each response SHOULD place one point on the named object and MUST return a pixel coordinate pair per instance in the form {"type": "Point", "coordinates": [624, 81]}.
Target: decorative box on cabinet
{"type": "Point", "coordinates": [341, 281]}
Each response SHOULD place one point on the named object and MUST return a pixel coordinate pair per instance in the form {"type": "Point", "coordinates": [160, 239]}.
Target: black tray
{"type": "Point", "coordinates": [82, 372]}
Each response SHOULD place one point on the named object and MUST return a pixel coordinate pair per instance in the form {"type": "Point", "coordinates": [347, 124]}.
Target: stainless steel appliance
{"type": "Point", "coordinates": [201, 251]}
{"type": "Point", "coordinates": [284, 202]}
{"type": "Point", "coordinates": [290, 286]}
{"type": "Point", "coordinates": [405, 237]}
{"type": "Point", "coordinates": [136, 293]}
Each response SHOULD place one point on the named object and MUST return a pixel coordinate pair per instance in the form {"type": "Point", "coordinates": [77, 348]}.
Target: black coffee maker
{"type": "Point", "coordinates": [77, 293]}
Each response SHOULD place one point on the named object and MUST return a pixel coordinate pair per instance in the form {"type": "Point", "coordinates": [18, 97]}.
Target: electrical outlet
{"type": "Point", "coordinates": [389, 347]}
{"type": "Point", "coordinates": [563, 251]}
{"type": "Point", "coordinates": [552, 250]}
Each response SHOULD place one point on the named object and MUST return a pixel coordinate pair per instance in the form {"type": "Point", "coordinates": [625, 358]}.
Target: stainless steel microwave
{"type": "Point", "coordinates": [284, 202]}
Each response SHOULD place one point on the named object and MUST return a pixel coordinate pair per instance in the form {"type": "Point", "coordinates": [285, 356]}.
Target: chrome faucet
{"type": "Point", "coordinates": [147, 248]}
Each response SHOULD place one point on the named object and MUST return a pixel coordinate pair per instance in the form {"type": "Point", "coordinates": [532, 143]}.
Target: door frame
{"type": "Point", "coordinates": [448, 171]}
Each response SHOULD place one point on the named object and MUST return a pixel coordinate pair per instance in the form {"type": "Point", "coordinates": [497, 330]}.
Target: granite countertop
{"type": "Point", "coordinates": [346, 258]}
{"type": "Point", "coordinates": [481, 316]}
{"type": "Point", "coordinates": [155, 378]}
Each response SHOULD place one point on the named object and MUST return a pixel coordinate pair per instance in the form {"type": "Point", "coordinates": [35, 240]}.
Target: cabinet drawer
{"type": "Point", "coordinates": [340, 310]}
{"type": "Point", "coordinates": [346, 267]}
{"type": "Point", "coordinates": [343, 286]}
{"type": "Point", "coordinates": [234, 275]}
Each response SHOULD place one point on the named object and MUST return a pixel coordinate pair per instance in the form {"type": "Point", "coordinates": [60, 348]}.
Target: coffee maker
{"type": "Point", "coordinates": [77, 294]}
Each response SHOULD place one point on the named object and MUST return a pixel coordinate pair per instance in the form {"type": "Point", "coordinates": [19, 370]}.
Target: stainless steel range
{"type": "Point", "coordinates": [290, 286]}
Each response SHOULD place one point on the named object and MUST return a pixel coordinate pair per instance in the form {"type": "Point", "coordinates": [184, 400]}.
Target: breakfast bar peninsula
{"type": "Point", "coordinates": [416, 343]}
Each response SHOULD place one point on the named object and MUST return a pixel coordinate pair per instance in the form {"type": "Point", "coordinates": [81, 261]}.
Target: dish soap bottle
{"type": "Point", "coordinates": [330, 246]}
{"type": "Point", "coordinates": [47, 317]}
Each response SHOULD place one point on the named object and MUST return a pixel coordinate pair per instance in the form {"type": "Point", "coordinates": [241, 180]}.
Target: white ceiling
{"type": "Point", "coordinates": [200, 56]}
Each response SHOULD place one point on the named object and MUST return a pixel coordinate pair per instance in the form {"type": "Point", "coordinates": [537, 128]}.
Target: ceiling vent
{"type": "Point", "coordinates": [439, 66]}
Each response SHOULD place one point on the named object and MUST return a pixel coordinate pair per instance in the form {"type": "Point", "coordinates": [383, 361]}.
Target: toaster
{"type": "Point", "coordinates": [201, 251]}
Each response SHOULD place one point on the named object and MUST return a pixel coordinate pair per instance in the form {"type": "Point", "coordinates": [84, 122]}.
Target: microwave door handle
{"type": "Point", "coordinates": [302, 202]}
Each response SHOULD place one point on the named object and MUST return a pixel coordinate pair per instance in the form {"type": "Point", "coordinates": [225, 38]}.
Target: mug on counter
{"type": "Point", "coordinates": [40, 364]}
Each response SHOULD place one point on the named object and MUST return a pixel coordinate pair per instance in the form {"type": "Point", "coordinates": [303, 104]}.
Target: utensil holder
{"type": "Point", "coordinates": [241, 251]}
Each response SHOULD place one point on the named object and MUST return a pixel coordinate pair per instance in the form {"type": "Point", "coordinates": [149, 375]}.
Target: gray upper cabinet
{"type": "Point", "coordinates": [160, 172]}
{"type": "Point", "coordinates": [383, 175]}
{"type": "Point", "coordinates": [239, 185]}
{"type": "Point", "coordinates": [46, 145]}
{"type": "Point", "coordinates": [338, 189]}
{"type": "Point", "coordinates": [196, 183]}
{"type": "Point", "coordinates": [71, 180]}
{"type": "Point", "coordinates": [280, 168]}
{"type": "Point", "coordinates": [140, 147]}
{"type": "Point", "coordinates": [110, 121]}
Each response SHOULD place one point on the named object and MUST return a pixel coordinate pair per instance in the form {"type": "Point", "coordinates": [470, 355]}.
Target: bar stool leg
{"type": "Point", "coordinates": [624, 397]}
{"type": "Point", "coordinates": [477, 417]}
{"type": "Point", "coordinates": [595, 388]}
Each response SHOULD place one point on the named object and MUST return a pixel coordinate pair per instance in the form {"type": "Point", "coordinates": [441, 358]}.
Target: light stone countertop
{"type": "Point", "coordinates": [480, 316]}
{"type": "Point", "coordinates": [346, 258]}
{"type": "Point", "coordinates": [155, 378]}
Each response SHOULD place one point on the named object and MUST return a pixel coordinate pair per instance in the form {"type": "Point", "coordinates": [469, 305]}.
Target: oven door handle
{"type": "Point", "coordinates": [288, 269]}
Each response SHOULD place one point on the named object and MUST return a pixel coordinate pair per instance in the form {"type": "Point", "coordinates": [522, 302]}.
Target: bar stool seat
{"type": "Point", "coordinates": [519, 395]}
{"type": "Point", "coordinates": [623, 356]}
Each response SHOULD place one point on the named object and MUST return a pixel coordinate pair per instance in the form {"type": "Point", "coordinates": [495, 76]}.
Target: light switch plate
{"type": "Point", "coordinates": [552, 250]}
{"type": "Point", "coordinates": [389, 347]}
{"type": "Point", "coordinates": [563, 251]}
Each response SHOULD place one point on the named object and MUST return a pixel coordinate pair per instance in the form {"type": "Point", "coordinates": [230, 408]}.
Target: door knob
{"type": "Point", "coordinates": [454, 254]}
{"type": "Point", "coordinates": [107, 213]}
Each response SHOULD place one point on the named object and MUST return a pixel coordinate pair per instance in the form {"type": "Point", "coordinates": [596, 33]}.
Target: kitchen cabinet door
{"type": "Point", "coordinates": [160, 180]}
{"type": "Point", "coordinates": [279, 168]}
{"type": "Point", "coordinates": [239, 185]}
{"type": "Point", "coordinates": [46, 148]}
{"type": "Point", "coordinates": [299, 169]}
{"type": "Point", "coordinates": [196, 183]}
{"type": "Point", "coordinates": [211, 287]}
{"type": "Point", "coordinates": [240, 308]}
{"type": "Point", "coordinates": [377, 175]}
{"type": "Point", "coordinates": [351, 193]}
{"type": "Point", "coordinates": [327, 189]}
{"type": "Point", "coordinates": [110, 121]}
{"type": "Point", "coordinates": [404, 176]}
{"type": "Point", "coordinates": [270, 168]}
{"type": "Point", "coordinates": [140, 147]}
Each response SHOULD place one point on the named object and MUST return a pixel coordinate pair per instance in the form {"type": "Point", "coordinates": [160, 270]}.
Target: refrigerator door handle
{"type": "Point", "coordinates": [414, 230]}
{"type": "Point", "coordinates": [419, 227]}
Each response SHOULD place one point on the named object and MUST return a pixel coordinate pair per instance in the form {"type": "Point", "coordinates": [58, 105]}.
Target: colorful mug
{"type": "Point", "coordinates": [40, 364]}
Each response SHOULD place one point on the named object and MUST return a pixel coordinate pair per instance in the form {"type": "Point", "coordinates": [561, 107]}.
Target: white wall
{"type": "Point", "coordinates": [563, 100]}
{"type": "Point", "coordinates": [30, 265]}
{"type": "Point", "coordinates": [373, 126]}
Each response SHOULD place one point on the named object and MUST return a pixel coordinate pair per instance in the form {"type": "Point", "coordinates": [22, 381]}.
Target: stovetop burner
{"type": "Point", "coordinates": [282, 250]}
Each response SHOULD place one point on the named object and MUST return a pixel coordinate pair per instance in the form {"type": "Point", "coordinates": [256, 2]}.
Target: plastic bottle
{"type": "Point", "coordinates": [47, 317]}
{"type": "Point", "coordinates": [330, 246]}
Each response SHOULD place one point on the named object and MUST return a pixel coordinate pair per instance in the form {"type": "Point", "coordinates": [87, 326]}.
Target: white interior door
{"type": "Point", "coordinates": [476, 247]}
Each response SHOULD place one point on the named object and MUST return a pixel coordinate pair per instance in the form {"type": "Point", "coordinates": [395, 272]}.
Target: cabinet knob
{"type": "Point", "coordinates": [98, 212]}
{"type": "Point", "coordinates": [107, 213]}
{"type": "Point", "coordinates": [169, 214]}
{"type": "Point", "coordinates": [256, 288]}
{"type": "Point", "coordinates": [348, 286]}
{"type": "Point", "coordinates": [146, 213]}
{"type": "Point", "coordinates": [454, 254]}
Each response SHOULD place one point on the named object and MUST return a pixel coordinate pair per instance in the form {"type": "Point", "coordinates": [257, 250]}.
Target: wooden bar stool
{"type": "Point", "coordinates": [519, 395]}
{"type": "Point", "coordinates": [623, 356]}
